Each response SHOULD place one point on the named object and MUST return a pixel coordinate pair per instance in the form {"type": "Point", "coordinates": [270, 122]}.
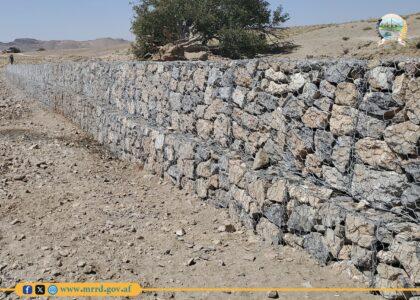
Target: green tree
{"type": "Point", "coordinates": [242, 27]}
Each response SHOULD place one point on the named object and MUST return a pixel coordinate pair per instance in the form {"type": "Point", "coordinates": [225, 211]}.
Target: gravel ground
{"type": "Point", "coordinates": [71, 212]}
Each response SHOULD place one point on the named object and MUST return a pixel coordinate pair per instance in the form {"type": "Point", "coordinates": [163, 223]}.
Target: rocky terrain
{"type": "Point", "coordinates": [32, 45]}
{"type": "Point", "coordinates": [72, 212]}
{"type": "Point", "coordinates": [357, 39]}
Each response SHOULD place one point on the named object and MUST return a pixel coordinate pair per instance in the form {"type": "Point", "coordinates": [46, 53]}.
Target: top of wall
{"type": "Point", "coordinates": [299, 63]}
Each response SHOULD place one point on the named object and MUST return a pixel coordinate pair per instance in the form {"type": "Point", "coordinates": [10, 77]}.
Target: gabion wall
{"type": "Point", "coordinates": [322, 155]}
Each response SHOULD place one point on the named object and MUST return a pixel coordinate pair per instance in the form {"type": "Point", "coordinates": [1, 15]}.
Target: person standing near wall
{"type": "Point", "coordinates": [11, 59]}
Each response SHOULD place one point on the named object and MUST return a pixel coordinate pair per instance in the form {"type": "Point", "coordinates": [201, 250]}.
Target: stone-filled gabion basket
{"type": "Point", "coordinates": [322, 155]}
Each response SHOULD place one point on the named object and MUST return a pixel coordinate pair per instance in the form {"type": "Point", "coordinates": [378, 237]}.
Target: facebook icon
{"type": "Point", "coordinates": [27, 289]}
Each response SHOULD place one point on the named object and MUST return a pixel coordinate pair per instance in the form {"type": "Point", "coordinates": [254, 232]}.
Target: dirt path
{"type": "Point", "coordinates": [70, 212]}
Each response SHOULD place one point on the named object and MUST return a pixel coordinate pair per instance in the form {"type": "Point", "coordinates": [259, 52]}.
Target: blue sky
{"type": "Point", "coordinates": [90, 19]}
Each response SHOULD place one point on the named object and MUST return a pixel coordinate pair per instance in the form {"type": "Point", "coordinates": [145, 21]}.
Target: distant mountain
{"type": "Point", "coordinates": [28, 45]}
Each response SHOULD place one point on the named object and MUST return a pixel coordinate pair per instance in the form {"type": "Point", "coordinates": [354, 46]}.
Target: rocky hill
{"type": "Point", "coordinates": [357, 39]}
{"type": "Point", "coordinates": [29, 45]}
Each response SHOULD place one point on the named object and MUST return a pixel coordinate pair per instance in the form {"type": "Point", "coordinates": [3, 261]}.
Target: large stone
{"type": "Point", "coordinates": [310, 93]}
{"type": "Point", "coordinates": [293, 240]}
{"type": "Point", "coordinates": [333, 242]}
{"type": "Point", "coordinates": [408, 254]}
{"type": "Point", "coordinates": [297, 81]}
{"type": "Point", "coordinates": [412, 167]}
{"type": "Point", "coordinates": [388, 272]}
{"type": "Point", "coordinates": [338, 72]}
{"type": "Point", "coordinates": [225, 92]}
{"type": "Point", "coordinates": [275, 76]}
{"type": "Point", "coordinates": [202, 153]}
{"type": "Point", "coordinates": [343, 120]}
{"type": "Point", "coordinates": [361, 257]}
{"type": "Point", "coordinates": [332, 214]}
{"type": "Point", "coordinates": [257, 190]}
{"type": "Point", "coordinates": [341, 153]}
{"type": "Point", "coordinates": [300, 141]}
{"type": "Point", "coordinates": [389, 289]}
{"type": "Point", "coordinates": [386, 257]}
{"type": "Point", "coordinates": [267, 101]}
{"type": "Point", "coordinates": [377, 154]}
{"type": "Point", "coordinates": [254, 108]}
{"type": "Point", "coordinates": [345, 254]}
{"type": "Point", "coordinates": [159, 141]}
{"type": "Point", "coordinates": [175, 101]}
{"type": "Point", "coordinates": [378, 186]}
{"type": "Point", "coordinates": [399, 88]}
{"type": "Point", "coordinates": [187, 150]}
{"type": "Point", "coordinates": [188, 103]}
{"type": "Point", "coordinates": [202, 185]}
{"type": "Point", "coordinates": [187, 167]}
{"type": "Point", "coordinates": [188, 185]}
{"type": "Point", "coordinates": [379, 104]}
{"type": "Point", "coordinates": [273, 150]}
{"type": "Point", "coordinates": [241, 197]}
{"type": "Point", "coordinates": [275, 213]}
{"type": "Point", "coordinates": [186, 123]}
{"type": "Point", "coordinates": [199, 111]}
{"type": "Point", "coordinates": [327, 89]}
{"type": "Point", "coordinates": [269, 232]}
{"type": "Point", "coordinates": [237, 170]}
{"type": "Point", "coordinates": [323, 144]}
{"type": "Point", "coordinates": [247, 120]}
{"type": "Point", "coordinates": [242, 77]}
{"type": "Point", "coordinates": [381, 78]}
{"type": "Point", "coordinates": [314, 243]}
{"type": "Point", "coordinates": [335, 178]}
{"type": "Point", "coordinates": [411, 68]}
{"type": "Point", "coordinates": [392, 278]}
{"type": "Point", "coordinates": [204, 169]}
{"type": "Point", "coordinates": [215, 108]}
{"type": "Point", "coordinates": [277, 89]}
{"type": "Point", "coordinates": [204, 128]}
{"type": "Point", "coordinates": [175, 175]}
{"type": "Point", "coordinates": [346, 94]}
{"type": "Point", "coordinates": [412, 101]}
{"type": "Point", "coordinates": [403, 138]}
{"type": "Point", "coordinates": [313, 165]}
{"type": "Point", "coordinates": [315, 118]}
{"type": "Point", "coordinates": [278, 191]}
{"type": "Point", "coordinates": [222, 129]}
{"type": "Point", "coordinates": [293, 107]}
{"type": "Point", "coordinates": [360, 230]}
{"type": "Point", "coordinates": [368, 126]}
{"type": "Point", "coordinates": [210, 94]}
{"type": "Point", "coordinates": [238, 96]}
{"type": "Point", "coordinates": [261, 160]}
{"type": "Point", "coordinates": [200, 75]}
{"type": "Point", "coordinates": [239, 133]}
{"type": "Point", "coordinates": [238, 214]}
{"type": "Point", "coordinates": [302, 219]}
{"type": "Point", "coordinates": [324, 104]}
{"type": "Point", "coordinates": [309, 193]}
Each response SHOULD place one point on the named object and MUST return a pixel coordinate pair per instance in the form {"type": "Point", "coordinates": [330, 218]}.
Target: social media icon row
{"type": "Point", "coordinates": [39, 289]}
